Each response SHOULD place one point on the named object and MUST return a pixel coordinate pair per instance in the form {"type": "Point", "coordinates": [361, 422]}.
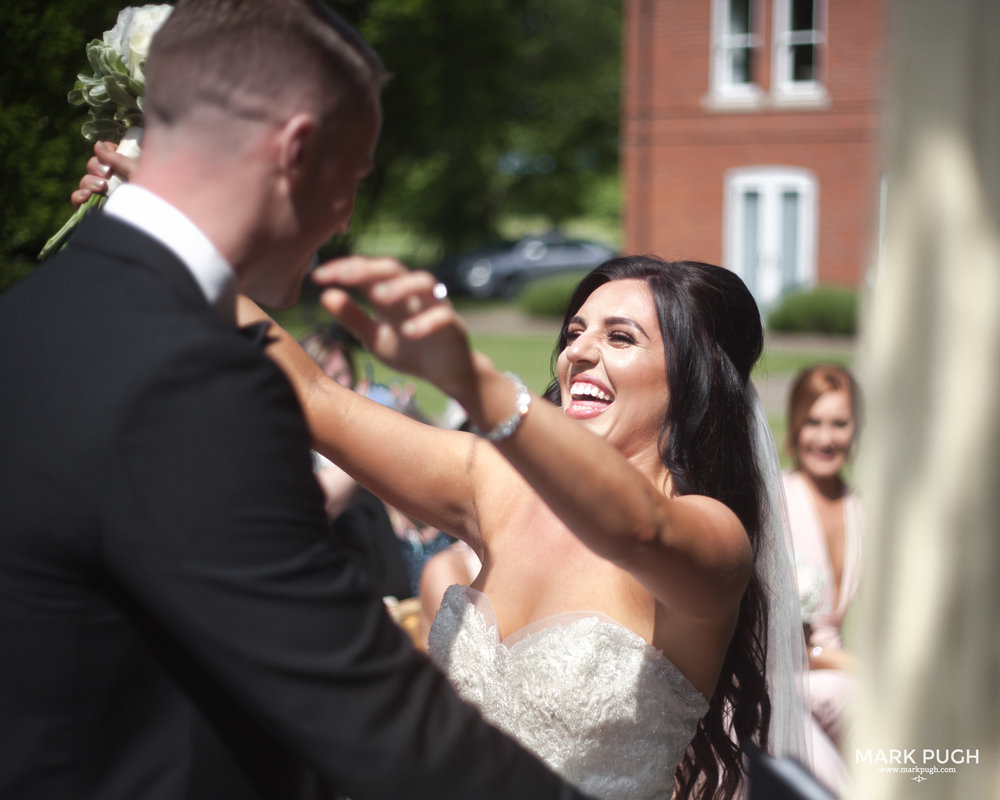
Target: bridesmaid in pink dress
{"type": "Point", "coordinates": [824, 415]}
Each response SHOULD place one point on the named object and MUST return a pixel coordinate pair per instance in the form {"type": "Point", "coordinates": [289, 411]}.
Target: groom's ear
{"type": "Point", "coordinates": [293, 146]}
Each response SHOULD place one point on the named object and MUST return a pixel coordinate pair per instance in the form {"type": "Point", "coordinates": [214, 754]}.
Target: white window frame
{"type": "Point", "coordinates": [724, 91]}
{"type": "Point", "coordinates": [765, 278]}
{"type": "Point", "coordinates": [784, 89]}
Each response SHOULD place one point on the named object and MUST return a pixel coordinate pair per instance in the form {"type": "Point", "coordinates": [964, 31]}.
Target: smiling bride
{"type": "Point", "coordinates": [623, 625]}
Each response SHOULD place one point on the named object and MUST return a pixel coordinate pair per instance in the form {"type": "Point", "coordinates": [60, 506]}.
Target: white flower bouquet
{"type": "Point", "coordinates": [813, 586]}
{"type": "Point", "coordinates": [113, 94]}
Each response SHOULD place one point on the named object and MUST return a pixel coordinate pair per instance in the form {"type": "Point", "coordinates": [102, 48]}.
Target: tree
{"type": "Point", "coordinates": [42, 154]}
{"type": "Point", "coordinates": [495, 107]}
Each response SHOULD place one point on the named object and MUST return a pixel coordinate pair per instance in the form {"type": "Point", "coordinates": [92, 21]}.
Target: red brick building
{"type": "Point", "coordinates": [751, 136]}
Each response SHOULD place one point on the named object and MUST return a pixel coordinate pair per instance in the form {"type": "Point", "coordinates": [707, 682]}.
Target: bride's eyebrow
{"type": "Point", "coordinates": [628, 322]}
{"type": "Point", "coordinates": [610, 322]}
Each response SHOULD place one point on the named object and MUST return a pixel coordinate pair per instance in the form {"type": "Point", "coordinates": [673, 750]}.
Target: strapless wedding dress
{"type": "Point", "coordinates": [599, 705]}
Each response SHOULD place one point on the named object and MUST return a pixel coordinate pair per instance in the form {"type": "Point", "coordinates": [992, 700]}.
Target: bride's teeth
{"type": "Point", "coordinates": [589, 390]}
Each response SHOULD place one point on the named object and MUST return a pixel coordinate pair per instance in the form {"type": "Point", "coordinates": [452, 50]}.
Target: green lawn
{"type": "Point", "coordinates": [784, 361]}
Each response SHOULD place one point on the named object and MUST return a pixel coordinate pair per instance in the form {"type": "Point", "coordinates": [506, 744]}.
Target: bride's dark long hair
{"type": "Point", "coordinates": [713, 336]}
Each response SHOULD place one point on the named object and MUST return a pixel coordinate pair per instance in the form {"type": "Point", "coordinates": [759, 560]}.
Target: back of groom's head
{"type": "Point", "coordinates": [276, 100]}
{"type": "Point", "coordinates": [258, 60]}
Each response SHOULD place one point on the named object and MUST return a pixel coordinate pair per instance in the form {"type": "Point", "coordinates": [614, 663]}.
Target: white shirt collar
{"type": "Point", "coordinates": [157, 218]}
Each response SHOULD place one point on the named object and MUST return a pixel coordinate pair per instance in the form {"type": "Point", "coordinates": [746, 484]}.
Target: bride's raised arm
{"type": "Point", "coordinates": [691, 552]}
{"type": "Point", "coordinates": [420, 469]}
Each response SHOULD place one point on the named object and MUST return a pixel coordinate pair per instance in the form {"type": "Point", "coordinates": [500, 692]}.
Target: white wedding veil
{"type": "Point", "coordinates": [787, 664]}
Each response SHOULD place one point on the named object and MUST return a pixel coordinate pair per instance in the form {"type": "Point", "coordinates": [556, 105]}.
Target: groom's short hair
{"type": "Point", "coordinates": [258, 59]}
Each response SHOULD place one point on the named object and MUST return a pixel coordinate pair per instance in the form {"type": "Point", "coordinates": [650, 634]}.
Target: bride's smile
{"type": "Point", "coordinates": [588, 398]}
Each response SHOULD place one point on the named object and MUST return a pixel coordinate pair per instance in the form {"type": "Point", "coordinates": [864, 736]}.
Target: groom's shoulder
{"type": "Point", "coordinates": [106, 269]}
{"type": "Point", "coordinates": [113, 325]}
{"type": "Point", "coordinates": [100, 240]}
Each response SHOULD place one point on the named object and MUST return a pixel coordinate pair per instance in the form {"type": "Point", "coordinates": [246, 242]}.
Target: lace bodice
{"type": "Point", "coordinates": [603, 708]}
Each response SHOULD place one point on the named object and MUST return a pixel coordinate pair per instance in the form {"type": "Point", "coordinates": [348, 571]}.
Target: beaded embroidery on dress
{"type": "Point", "coordinates": [592, 699]}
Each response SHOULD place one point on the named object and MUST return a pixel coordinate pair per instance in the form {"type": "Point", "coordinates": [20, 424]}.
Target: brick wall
{"type": "Point", "coordinates": [677, 148]}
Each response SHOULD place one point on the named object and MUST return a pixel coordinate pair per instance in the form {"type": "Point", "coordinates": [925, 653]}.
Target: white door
{"type": "Point", "coordinates": [770, 229]}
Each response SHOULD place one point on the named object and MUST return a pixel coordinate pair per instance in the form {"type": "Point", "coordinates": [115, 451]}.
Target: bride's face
{"type": "Point", "coordinates": [612, 373]}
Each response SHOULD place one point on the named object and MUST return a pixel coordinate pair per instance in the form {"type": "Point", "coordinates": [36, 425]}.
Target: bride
{"type": "Point", "coordinates": [619, 625]}
{"type": "Point", "coordinates": [635, 621]}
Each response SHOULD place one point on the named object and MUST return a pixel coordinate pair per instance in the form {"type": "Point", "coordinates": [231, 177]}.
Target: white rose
{"type": "Point", "coordinates": [133, 32]}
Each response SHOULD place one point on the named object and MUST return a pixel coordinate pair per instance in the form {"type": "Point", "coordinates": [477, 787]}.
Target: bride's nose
{"type": "Point", "coordinates": [582, 349]}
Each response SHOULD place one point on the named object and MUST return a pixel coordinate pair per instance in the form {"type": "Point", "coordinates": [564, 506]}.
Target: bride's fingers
{"type": "Point", "coordinates": [89, 184]}
{"type": "Point", "coordinates": [407, 295]}
{"type": "Point", "coordinates": [109, 160]}
{"type": "Point", "coordinates": [426, 323]}
{"type": "Point", "coordinates": [96, 168]}
{"type": "Point", "coordinates": [100, 166]}
{"type": "Point", "coordinates": [339, 303]}
{"type": "Point", "coordinates": [92, 183]}
{"type": "Point", "coordinates": [358, 272]}
{"type": "Point", "coordinates": [79, 196]}
{"type": "Point", "coordinates": [417, 286]}
{"type": "Point", "coordinates": [395, 292]}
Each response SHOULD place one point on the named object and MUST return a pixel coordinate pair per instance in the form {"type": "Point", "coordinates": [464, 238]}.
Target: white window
{"type": "Point", "coordinates": [799, 49]}
{"type": "Point", "coordinates": [770, 229]}
{"type": "Point", "coordinates": [736, 45]}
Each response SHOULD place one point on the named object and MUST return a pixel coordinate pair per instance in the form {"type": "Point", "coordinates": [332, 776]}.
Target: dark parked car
{"type": "Point", "coordinates": [501, 270]}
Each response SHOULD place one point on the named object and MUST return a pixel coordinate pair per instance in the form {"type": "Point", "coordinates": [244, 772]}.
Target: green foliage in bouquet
{"type": "Point", "coordinates": [113, 96]}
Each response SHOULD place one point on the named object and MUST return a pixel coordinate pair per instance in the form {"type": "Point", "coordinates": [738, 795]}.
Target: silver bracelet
{"type": "Point", "coordinates": [522, 403]}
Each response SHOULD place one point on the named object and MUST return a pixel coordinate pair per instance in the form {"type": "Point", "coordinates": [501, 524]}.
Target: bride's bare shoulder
{"type": "Point", "coordinates": [714, 528]}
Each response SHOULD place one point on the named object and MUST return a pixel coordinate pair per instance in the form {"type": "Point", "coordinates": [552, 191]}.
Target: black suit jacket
{"type": "Point", "coordinates": [175, 619]}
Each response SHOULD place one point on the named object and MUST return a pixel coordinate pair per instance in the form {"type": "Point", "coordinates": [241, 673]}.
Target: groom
{"type": "Point", "coordinates": [175, 621]}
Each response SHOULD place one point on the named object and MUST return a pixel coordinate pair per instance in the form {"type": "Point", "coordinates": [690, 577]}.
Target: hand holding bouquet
{"type": "Point", "coordinates": [113, 94]}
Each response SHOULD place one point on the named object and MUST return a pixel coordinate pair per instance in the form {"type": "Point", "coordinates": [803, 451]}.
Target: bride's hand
{"type": "Point", "coordinates": [412, 327]}
{"type": "Point", "coordinates": [105, 160]}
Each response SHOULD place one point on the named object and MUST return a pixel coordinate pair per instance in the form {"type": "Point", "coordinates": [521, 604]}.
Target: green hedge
{"type": "Point", "coordinates": [825, 309]}
{"type": "Point", "coordinates": [548, 297]}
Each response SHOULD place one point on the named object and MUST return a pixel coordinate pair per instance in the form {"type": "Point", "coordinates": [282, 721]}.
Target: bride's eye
{"type": "Point", "coordinates": [621, 337]}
